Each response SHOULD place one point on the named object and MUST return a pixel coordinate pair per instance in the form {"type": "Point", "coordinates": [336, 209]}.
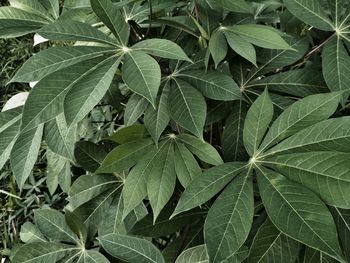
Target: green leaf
{"type": "Point", "coordinates": [232, 138]}
{"type": "Point", "coordinates": [201, 149]}
{"type": "Point", "coordinates": [24, 154]}
{"type": "Point", "coordinates": [259, 35]}
{"type": "Point", "coordinates": [161, 48]}
{"type": "Point", "coordinates": [45, 101]}
{"type": "Point", "coordinates": [186, 166]}
{"type": "Point", "coordinates": [187, 107]}
{"type": "Point", "coordinates": [113, 18]}
{"type": "Point", "coordinates": [162, 179]}
{"type": "Point", "coordinates": [30, 233]}
{"type": "Point", "coordinates": [342, 220]}
{"type": "Point", "coordinates": [330, 135]}
{"type": "Point", "coordinates": [229, 219]}
{"type": "Point", "coordinates": [42, 252]}
{"type": "Point", "coordinates": [257, 121]}
{"type": "Point", "coordinates": [311, 12]}
{"type": "Point", "coordinates": [301, 114]}
{"type": "Point", "coordinates": [196, 254]}
{"type": "Point", "coordinates": [131, 249]}
{"type": "Point", "coordinates": [129, 134]}
{"type": "Point", "coordinates": [53, 6]}
{"type": "Point", "coordinates": [70, 30]}
{"type": "Point", "coordinates": [53, 225]}
{"type": "Point", "coordinates": [87, 187]}
{"type": "Point", "coordinates": [58, 172]}
{"type": "Point", "coordinates": [89, 155]}
{"type": "Point", "coordinates": [134, 109]}
{"type": "Point", "coordinates": [156, 120]}
{"type": "Point", "coordinates": [141, 73]}
{"type": "Point", "coordinates": [15, 22]}
{"type": "Point", "coordinates": [241, 46]}
{"type": "Point", "coordinates": [298, 212]}
{"type": "Point", "coordinates": [271, 245]}
{"type": "Point", "coordinates": [213, 84]}
{"type": "Point", "coordinates": [325, 173]}
{"type": "Point", "coordinates": [80, 101]}
{"type": "Point", "coordinates": [92, 256]}
{"type": "Point", "coordinates": [207, 185]}
{"type": "Point", "coordinates": [31, 6]}
{"type": "Point", "coordinates": [53, 59]}
{"type": "Point", "coordinates": [218, 47]}
{"type": "Point", "coordinates": [125, 156]}
{"type": "Point", "coordinates": [336, 65]}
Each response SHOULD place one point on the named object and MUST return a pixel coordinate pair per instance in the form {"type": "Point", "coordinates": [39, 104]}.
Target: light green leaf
{"type": "Point", "coordinates": [217, 47]}
{"type": "Point", "coordinates": [87, 187]}
{"type": "Point", "coordinates": [271, 245]}
{"type": "Point", "coordinates": [30, 233]}
{"type": "Point", "coordinates": [89, 155]}
{"type": "Point", "coordinates": [336, 65]}
{"type": "Point", "coordinates": [207, 185]}
{"type": "Point", "coordinates": [45, 101]}
{"type": "Point", "coordinates": [131, 249]}
{"type": "Point", "coordinates": [113, 18]}
{"type": "Point", "coordinates": [156, 120]}
{"type": "Point", "coordinates": [186, 166]}
{"type": "Point", "coordinates": [328, 135]}
{"type": "Point", "coordinates": [196, 254]}
{"type": "Point", "coordinates": [230, 218]}
{"type": "Point", "coordinates": [257, 121]}
{"type": "Point", "coordinates": [241, 46]}
{"type": "Point", "coordinates": [162, 179]}
{"type": "Point", "coordinates": [42, 252]}
{"type": "Point", "coordinates": [25, 153]}
{"type": "Point", "coordinates": [203, 150]}
{"type": "Point", "coordinates": [297, 212]}
{"type": "Point", "coordinates": [53, 225]}
{"type": "Point", "coordinates": [125, 156]}
{"type": "Point", "coordinates": [187, 107]}
{"type": "Point", "coordinates": [15, 22]}
{"type": "Point", "coordinates": [53, 59]}
{"type": "Point", "coordinates": [311, 12]}
{"type": "Point", "coordinates": [213, 84]}
{"type": "Point", "coordinates": [260, 35]}
{"type": "Point", "coordinates": [325, 173]}
{"type": "Point", "coordinates": [301, 114]}
{"type": "Point", "coordinates": [134, 109]}
{"type": "Point", "coordinates": [161, 48]}
{"type": "Point", "coordinates": [79, 101]}
{"type": "Point", "coordinates": [141, 73]}
{"type": "Point", "coordinates": [70, 30]}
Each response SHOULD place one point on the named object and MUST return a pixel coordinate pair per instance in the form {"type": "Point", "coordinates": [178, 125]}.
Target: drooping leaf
{"type": "Point", "coordinates": [229, 219]}
{"type": "Point", "coordinates": [207, 185]}
{"type": "Point", "coordinates": [131, 249]}
{"type": "Point", "coordinates": [187, 107]}
{"type": "Point", "coordinates": [298, 212]}
{"type": "Point", "coordinates": [141, 73]}
{"type": "Point", "coordinates": [218, 47]}
{"type": "Point", "coordinates": [256, 123]}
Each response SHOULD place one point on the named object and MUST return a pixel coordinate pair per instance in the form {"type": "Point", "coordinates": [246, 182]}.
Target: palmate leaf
{"type": "Point", "coordinates": [24, 154]}
{"type": "Point", "coordinates": [141, 73]}
{"type": "Point", "coordinates": [113, 18]}
{"type": "Point", "coordinates": [298, 212]}
{"type": "Point", "coordinates": [187, 107]}
{"type": "Point", "coordinates": [230, 218]}
{"type": "Point", "coordinates": [311, 12]}
{"type": "Point", "coordinates": [271, 245]}
{"type": "Point", "coordinates": [131, 249]}
{"type": "Point", "coordinates": [53, 59]}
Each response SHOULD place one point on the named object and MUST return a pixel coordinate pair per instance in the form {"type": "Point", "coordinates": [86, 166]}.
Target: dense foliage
{"type": "Point", "coordinates": [179, 131]}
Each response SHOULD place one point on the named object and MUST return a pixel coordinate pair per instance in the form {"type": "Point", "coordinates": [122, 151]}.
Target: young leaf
{"type": "Point", "coordinates": [187, 107]}
{"type": "Point", "coordinates": [161, 48]}
{"type": "Point", "coordinates": [256, 123]}
{"type": "Point", "coordinates": [229, 219]}
{"type": "Point", "coordinates": [131, 249]}
{"type": "Point", "coordinates": [298, 212]}
{"type": "Point", "coordinates": [24, 154]}
{"type": "Point", "coordinates": [113, 18]}
{"type": "Point", "coordinates": [141, 73]}
{"type": "Point", "coordinates": [207, 185]}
